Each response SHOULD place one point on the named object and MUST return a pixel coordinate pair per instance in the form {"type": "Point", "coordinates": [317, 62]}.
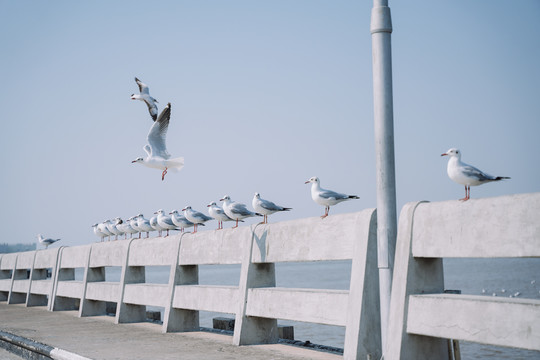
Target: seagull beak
{"type": "Point", "coordinates": [134, 161]}
{"type": "Point", "coordinates": [307, 182]}
{"type": "Point", "coordinates": [208, 205]}
{"type": "Point", "coordinates": [444, 154]}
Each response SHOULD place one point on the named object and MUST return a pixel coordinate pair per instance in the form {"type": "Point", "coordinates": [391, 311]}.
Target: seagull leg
{"type": "Point", "coordinates": [234, 227]}
{"type": "Point", "coordinates": [194, 228]}
{"type": "Point", "coordinates": [467, 193]}
{"type": "Point", "coordinates": [163, 174]}
{"type": "Point", "coordinates": [326, 209]}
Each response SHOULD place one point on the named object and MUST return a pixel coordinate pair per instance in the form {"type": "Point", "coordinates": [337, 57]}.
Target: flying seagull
{"type": "Point", "coordinates": [158, 156]}
{"type": "Point", "coordinates": [325, 197]}
{"type": "Point", "coordinates": [145, 96]}
{"type": "Point", "coordinates": [466, 174]}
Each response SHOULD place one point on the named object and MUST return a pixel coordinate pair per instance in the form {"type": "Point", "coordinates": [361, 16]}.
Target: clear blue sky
{"type": "Point", "coordinates": [265, 94]}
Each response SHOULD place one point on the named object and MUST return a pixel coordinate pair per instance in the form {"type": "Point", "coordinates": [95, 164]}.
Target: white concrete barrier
{"type": "Point", "coordinates": [422, 318]}
{"type": "Point", "coordinates": [256, 302]}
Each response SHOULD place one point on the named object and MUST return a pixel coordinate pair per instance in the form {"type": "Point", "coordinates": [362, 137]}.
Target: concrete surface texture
{"type": "Point", "coordinates": [99, 338]}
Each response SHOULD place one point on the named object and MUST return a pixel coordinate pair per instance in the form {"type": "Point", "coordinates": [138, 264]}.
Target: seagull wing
{"type": "Point", "coordinates": [158, 133]}
{"type": "Point", "coordinates": [472, 172]}
{"type": "Point", "coordinates": [329, 194]}
{"type": "Point", "coordinates": [152, 109]}
{"type": "Point", "coordinates": [143, 88]}
{"type": "Point", "coordinates": [241, 209]}
{"type": "Point", "coordinates": [268, 205]}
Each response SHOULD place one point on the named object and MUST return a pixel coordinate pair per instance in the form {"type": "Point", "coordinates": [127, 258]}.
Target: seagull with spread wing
{"type": "Point", "coordinates": [145, 96]}
{"type": "Point", "coordinates": [158, 156]}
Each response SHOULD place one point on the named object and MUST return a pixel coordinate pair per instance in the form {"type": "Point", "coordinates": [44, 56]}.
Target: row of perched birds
{"type": "Point", "coordinates": [231, 211]}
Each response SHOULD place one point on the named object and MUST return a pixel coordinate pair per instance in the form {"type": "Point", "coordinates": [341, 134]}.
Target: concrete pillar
{"type": "Point", "coordinates": [381, 30]}
{"type": "Point", "coordinates": [128, 313]}
{"type": "Point", "coordinates": [363, 328]}
{"type": "Point", "coordinates": [249, 329]}
{"type": "Point", "coordinates": [180, 319]}
{"type": "Point", "coordinates": [412, 276]}
{"type": "Point", "coordinates": [14, 297]}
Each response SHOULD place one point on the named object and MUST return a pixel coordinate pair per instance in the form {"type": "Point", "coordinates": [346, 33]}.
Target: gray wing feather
{"type": "Point", "coordinates": [241, 209]}
{"type": "Point", "coordinates": [329, 194]}
{"type": "Point", "coordinates": [143, 88]}
{"type": "Point", "coordinates": [158, 133]}
{"type": "Point", "coordinates": [268, 205]}
{"type": "Point", "coordinates": [473, 172]}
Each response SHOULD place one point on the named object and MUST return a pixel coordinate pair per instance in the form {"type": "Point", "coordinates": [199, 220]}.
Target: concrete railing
{"type": "Point", "coordinates": [422, 316]}
{"type": "Point", "coordinates": [256, 302]}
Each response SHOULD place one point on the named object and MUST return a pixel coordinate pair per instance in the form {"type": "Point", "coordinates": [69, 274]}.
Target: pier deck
{"type": "Point", "coordinates": [99, 338]}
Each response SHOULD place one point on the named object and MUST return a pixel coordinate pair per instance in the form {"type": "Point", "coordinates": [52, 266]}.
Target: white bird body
{"type": "Point", "coordinates": [266, 207]}
{"type": "Point", "coordinates": [218, 213]}
{"type": "Point", "coordinates": [236, 211]}
{"type": "Point", "coordinates": [45, 241]}
{"type": "Point", "coordinates": [144, 224]}
{"type": "Point", "coordinates": [98, 232]}
{"type": "Point", "coordinates": [326, 197]}
{"type": "Point", "coordinates": [155, 225]}
{"type": "Point", "coordinates": [180, 220]}
{"type": "Point", "coordinates": [195, 217]}
{"type": "Point", "coordinates": [102, 227]}
{"type": "Point", "coordinates": [113, 228]}
{"type": "Point", "coordinates": [165, 221]}
{"type": "Point", "coordinates": [466, 174]}
{"type": "Point", "coordinates": [157, 155]}
{"type": "Point", "coordinates": [145, 97]}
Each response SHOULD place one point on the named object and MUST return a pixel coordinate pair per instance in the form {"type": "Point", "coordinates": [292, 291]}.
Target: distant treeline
{"type": "Point", "coordinates": [11, 248]}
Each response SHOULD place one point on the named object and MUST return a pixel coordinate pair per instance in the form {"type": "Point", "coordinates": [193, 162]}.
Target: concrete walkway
{"type": "Point", "coordinates": [99, 338]}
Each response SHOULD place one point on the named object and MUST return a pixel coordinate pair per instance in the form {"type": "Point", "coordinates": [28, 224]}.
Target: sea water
{"type": "Point", "coordinates": [488, 277]}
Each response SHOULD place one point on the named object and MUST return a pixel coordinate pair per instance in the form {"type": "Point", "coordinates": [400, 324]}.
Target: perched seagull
{"type": "Point", "coordinates": [128, 229]}
{"type": "Point", "coordinates": [217, 213]}
{"type": "Point", "coordinates": [98, 232]}
{"type": "Point", "coordinates": [195, 217]}
{"type": "Point", "coordinates": [46, 242]}
{"type": "Point", "coordinates": [325, 197]}
{"type": "Point", "coordinates": [158, 156]}
{"type": "Point", "coordinates": [180, 220]}
{"type": "Point", "coordinates": [113, 228]}
{"type": "Point", "coordinates": [145, 96]}
{"type": "Point", "coordinates": [236, 211]}
{"type": "Point", "coordinates": [134, 225]}
{"type": "Point", "coordinates": [154, 224]}
{"type": "Point", "coordinates": [104, 229]}
{"type": "Point", "coordinates": [165, 221]}
{"type": "Point", "coordinates": [144, 224]}
{"type": "Point", "coordinates": [466, 174]}
{"type": "Point", "coordinates": [266, 207]}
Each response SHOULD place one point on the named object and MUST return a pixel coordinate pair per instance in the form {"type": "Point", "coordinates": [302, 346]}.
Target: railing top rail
{"type": "Point", "coordinates": [506, 226]}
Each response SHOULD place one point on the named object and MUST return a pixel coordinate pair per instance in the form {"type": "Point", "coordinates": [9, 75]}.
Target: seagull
{"type": "Point", "coordinates": [113, 227]}
{"type": "Point", "coordinates": [466, 174]}
{"type": "Point", "coordinates": [217, 213]}
{"type": "Point", "coordinates": [266, 207]}
{"type": "Point", "coordinates": [144, 224]}
{"type": "Point", "coordinates": [102, 227]}
{"type": "Point", "coordinates": [46, 242]}
{"type": "Point", "coordinates": [145, 96]}
{"type": "Point", "coordinates": [195, 217]}
{"type": "Point", "coordinates": [158, 156]}
{"type": "Point", "coordinates": [133, 224]}
{"type": "Point", "coordinates": [154, 224]}
{"type": "Point", "coordinates": [180, 220]}
{"type": "Point", "coordinates": [165, 221]}
{"type": "Point", "coordinates": [236, 211]}
{"type": "Point", "coordinates": [128, 229]}
{"type": "Point", "coordinates": [98, 232]}
{"type": "Point", "coordinates": [325, 197]}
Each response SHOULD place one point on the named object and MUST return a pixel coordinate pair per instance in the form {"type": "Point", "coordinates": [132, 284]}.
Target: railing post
{"type": "Point", "coordinates": [35, 274]}
{"type": "Point", "coordinates": [59, 302]}
{"type": "Point", "coordinates": [249, 329]}
{"type": "Point", "coordinates": [413, 276]}
{"type": "Point", "coordinates": [15, 298]}
{"type": "Point", "coordinates": [363, 328]}
{"type": "Point", "coordinates": [127, 313]}
{"type": "Point", "coordinates": [92, 307]}
{"type": "Point", "coordinates": [180, 319]}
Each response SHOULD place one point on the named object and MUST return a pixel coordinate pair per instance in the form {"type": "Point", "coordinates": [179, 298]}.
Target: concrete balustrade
{"type": "Point", "coordinates": [422, 318]}
{"type": "Point", "coordinates": [256, 302]}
